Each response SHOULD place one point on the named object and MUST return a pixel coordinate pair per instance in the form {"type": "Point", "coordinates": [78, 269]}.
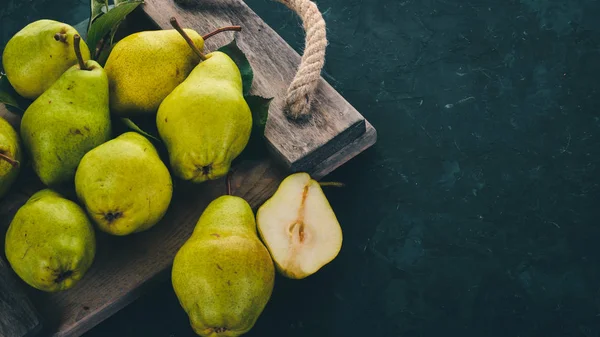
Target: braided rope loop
{"type": "Point", "coordinates": [304, 84]}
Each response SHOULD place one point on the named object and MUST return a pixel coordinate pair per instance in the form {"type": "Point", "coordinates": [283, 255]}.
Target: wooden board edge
{"type": "Point", "coordinates": [327, 150]}
{"type": "Point", "coordinates": [359, 145]}
{"type": "Point", "coordinates": [343, 140]}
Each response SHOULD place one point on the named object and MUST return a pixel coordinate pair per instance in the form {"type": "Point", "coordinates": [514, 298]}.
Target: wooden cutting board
{"type": "Point", "coordinates": [127, 266]}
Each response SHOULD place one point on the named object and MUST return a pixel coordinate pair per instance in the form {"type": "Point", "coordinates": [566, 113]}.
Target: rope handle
{"type": "Point", "coordinates": [300, 93]}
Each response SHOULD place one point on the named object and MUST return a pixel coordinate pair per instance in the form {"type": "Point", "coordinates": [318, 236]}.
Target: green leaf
{"type": "Point", "coordinates": [97, 8]}
{"type": "Point", "coordinates": [108, 22]}
{"type": "Point", "coordinates": [7, 93]}
{"type": "Point", "coordinates": [240, 59]}
{"type": "Point", "coordinates": [9, 96]}
{"type": "Point", "coordinates": [260, 111]}
{"type": "Point", "coordinates": [130, 124]}
{"type": "Point", "coordinates": [103, 56]}
{"type": "Point", "coordinates": [257, 145]}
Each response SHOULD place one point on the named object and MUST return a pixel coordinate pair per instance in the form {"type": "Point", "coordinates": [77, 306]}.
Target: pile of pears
{"type": "Point", "coordinates": [224, 274]}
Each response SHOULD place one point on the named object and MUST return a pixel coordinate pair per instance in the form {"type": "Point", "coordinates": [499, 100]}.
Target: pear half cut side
{"type": "Point", "coordinates": [299, 227]}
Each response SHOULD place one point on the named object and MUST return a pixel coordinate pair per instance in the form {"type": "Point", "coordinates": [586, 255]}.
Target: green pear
{"type": "Point", "coordinates": [144, 67]}
{"type": "Point", "coordinates": [205, 122]}
{"type": "Point", "coordinates": [299, 227]}
{"type": "Point", "coordinates": [124, 185]}
{"type": "Point", "coordinates": [10, 156]}
{"type": "Point", "coordinates": [36, 56]}
{"type": "Point", "coordinates": [66, 121]}
{"type": "Point", "coordinates": [50, 243]}
{"type": "Point", "coordinates": [223, 275]}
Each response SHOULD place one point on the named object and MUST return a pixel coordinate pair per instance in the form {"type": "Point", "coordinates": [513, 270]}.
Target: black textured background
{"type": "Point", "coordinates": [476, 212]}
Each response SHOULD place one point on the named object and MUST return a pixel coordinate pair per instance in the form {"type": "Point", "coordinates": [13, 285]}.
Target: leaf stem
{"type": "Point", "coordinates": [76, 42]}
{"type": "Point", "coordinates": [228, 180]}
{"type": "Point", "coordinates": [189, 41]}
{"type": "Point", "coordinates": [99, 49]}
{"type": "Point", "coordinates": [14, 163]}
{"type": "Point", "coordinates": [222, 29]}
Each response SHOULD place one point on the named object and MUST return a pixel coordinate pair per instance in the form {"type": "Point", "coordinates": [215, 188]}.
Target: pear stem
{"type": "Point", "coordinates": [228, 180]}
{"type": "Point", "coordinates": [332, 184]}
{"type": "Point", "coordinates": [189, 41]}
{"type": "Point", "coordinates": [14, 163]}
{"type": "Point", "coordinates": [76, 42]}
{"type": "Point", "coordinates": [60, 37]}
{"type": "Point", "coordinates": [222, 29]}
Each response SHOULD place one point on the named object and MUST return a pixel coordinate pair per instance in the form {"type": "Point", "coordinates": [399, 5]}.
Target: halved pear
{"type": "Point", "coordinates": [299, 227]}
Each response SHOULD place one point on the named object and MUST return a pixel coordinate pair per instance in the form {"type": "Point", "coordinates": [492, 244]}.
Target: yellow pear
{"type": "Point", "coordinates": [124, 185]}
{"type": "Point", "coordinates": [223, 275]}
{"type": "Point", "coordinates": [205, 122]}
{"type": "Point", "coordinates": [66, 121]}
{"type": "Point", "coordinates": [50, 242]}
{"type": "Point", "coordinates": [144, 67]}
{"type": "Point", "coordinates": [36, 56]}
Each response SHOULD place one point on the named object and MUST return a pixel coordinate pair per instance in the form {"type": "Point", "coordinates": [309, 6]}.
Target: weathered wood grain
{"type": "Point", "coordinates": [299, 146]}
{"type": "Point", "coordinates": [18, 317]}
{"type": "Point", "coordinates": [125, 267]}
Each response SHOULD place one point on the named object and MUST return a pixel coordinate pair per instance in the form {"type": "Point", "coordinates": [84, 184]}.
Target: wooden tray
{"type": "Point", "coordinates": [126, 266]}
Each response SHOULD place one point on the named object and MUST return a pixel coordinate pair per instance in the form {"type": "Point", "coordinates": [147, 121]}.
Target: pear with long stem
{"type": "Point", "coordinates": [67, 120]}
{"type": "Point", "coordinates": [205, 122]}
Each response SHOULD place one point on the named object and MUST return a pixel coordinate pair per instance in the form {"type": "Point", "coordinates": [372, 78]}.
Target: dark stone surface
{"type": "Point", "coordinates": [476, 213]}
